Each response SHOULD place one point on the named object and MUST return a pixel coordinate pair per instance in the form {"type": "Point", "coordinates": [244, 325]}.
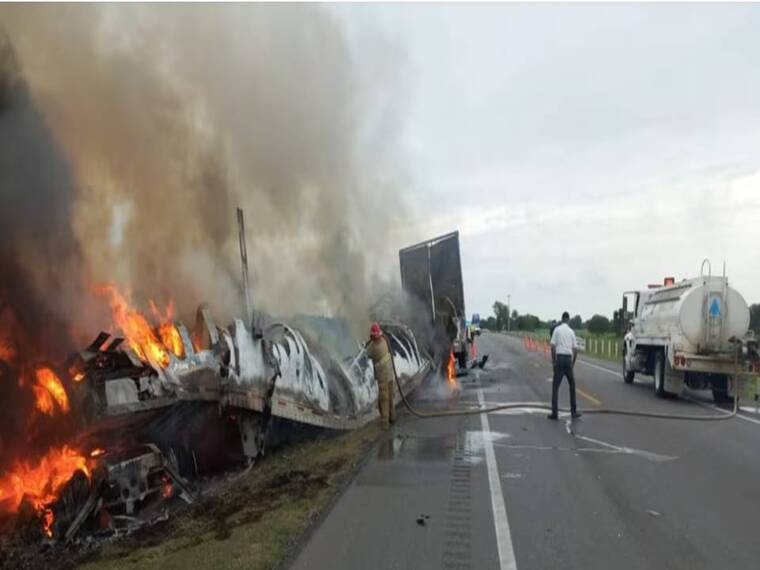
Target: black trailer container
{"type": "Point", "coordinates": [431, 271]}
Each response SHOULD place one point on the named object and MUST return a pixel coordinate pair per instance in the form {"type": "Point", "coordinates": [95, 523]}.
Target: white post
{"type": "Point", "coordinates": [616, 349]}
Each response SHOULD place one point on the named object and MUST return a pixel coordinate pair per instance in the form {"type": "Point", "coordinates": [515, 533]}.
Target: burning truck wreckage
{"type": "Point", "coordinates": [153, 408]}
{"type": "Point", "coordinates": [100, 443]}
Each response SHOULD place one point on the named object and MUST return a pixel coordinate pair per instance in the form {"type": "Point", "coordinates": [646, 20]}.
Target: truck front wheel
{"type": "Point", "coordinates": [627, 374]}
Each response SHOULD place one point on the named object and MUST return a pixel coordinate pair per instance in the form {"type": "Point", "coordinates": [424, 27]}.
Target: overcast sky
{"type": "Point", "coordinates": [581, 150]}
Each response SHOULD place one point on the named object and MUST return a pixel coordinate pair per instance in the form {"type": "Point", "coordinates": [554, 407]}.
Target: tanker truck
{"type": "Point", "coordinates": [693, 333]}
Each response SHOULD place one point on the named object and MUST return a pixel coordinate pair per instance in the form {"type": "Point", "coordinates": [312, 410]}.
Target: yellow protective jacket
{"type": "Point", "coordinates": [380, 353]}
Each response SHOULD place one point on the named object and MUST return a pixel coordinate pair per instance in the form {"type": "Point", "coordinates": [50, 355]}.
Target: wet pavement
{"type": "Point", "coordinates": [515, 490]}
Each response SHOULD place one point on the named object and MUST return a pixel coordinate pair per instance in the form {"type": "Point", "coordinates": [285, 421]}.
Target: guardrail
{"type": "Point", "coordinates": [606, 347]}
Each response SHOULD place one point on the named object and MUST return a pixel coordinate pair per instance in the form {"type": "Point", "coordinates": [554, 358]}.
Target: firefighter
{"type": "Point", "coordinates": [379, 351]}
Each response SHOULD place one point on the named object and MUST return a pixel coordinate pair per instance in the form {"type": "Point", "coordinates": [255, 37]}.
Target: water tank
{"type": "Point", "coordinates": [706, 311]}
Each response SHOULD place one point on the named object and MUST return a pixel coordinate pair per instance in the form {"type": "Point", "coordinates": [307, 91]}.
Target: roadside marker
{"type": "Point", "coordinates": [501, 523]}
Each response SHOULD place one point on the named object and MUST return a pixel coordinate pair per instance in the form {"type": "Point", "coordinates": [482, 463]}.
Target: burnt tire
{"type": "Point", "coordinates": [721, 397]}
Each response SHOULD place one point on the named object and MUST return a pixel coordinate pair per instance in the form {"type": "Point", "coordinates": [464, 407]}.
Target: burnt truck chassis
{"type": "Point", "coordinates": [235, 383]}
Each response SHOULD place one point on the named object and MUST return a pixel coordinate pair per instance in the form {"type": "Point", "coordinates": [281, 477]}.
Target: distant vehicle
{"type": "Point", "coordinates": [581, 343]}
{"type": "Point", "coordinates": [689, 334]}
{"type": "Point", "coordinates": [475, 329]}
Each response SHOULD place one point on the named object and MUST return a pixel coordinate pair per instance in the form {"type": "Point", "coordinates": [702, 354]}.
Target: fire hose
{"type": "Point", "coordinates": [544, 406]}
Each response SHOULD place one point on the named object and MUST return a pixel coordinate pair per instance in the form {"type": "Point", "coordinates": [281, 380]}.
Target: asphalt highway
{"type": "Point", "coordinates": [513, 489]}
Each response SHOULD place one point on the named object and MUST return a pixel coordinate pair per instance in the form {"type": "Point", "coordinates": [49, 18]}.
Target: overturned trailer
{"type": "Point", "coordinates": [156, 424]}
{"type": "Point", "coordinates": [251, 376]}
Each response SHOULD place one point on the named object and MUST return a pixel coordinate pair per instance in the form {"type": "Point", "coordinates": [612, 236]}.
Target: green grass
{"type": "Point", "coordinates": [250, 523]}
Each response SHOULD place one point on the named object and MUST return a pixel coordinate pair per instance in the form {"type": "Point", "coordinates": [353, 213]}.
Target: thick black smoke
{"type": "Point", "coordinates": [40, 258]}
{"type": "Point", "coordinates": [41, 275]}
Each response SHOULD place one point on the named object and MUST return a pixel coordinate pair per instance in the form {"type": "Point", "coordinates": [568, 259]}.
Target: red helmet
{"type": "Point", "coordinates": [374, 331]}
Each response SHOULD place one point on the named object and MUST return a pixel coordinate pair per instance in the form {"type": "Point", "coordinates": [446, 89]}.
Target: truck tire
{"type": "Point", "coordinates": [721, 397]}
{"type": "Point", "coordinates": [659, 375]}
{"type": "Point", "coordinates": [627, 374]}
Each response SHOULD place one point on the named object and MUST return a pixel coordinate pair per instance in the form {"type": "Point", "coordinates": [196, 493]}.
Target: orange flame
{"type": "Point", "coordinates": [139, 333]}
{"type": "Point", "coordinates": [451, 368]}
{"type": "Point", "coordinates": [43, 400]}
{"type": "Point", "coordinates": [76, 373]}
{"type": "Point", "coordinates": [41, 483]}
{"type": "Point", "coordinates": [97, 452]}
{"type": "Point", "coordinates": [169, 334]}
{"type": "Point", "coordinates": [167, 489]}
{"type": "Point", "coordinates": [171, 338]}
{"type": "Point", "coordinates": [47, 379]}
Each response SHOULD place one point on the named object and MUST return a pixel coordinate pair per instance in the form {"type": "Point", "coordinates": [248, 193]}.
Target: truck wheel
{"type": "Point", "coordinates": [627, 374]}
{"type": "Point", "coordinates": [721, 397]}
{"type": "Point", "coordinates": [659, 375]}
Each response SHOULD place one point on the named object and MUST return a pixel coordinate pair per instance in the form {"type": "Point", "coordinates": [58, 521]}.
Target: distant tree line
{"type": "Point", "coordinates": [754, 317]}
{"type": "Point", "coordinates": [597, 324]}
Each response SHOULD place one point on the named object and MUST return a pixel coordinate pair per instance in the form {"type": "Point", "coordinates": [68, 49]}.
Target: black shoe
{"type": "Point", "coordinates": [577, 415]}
{"type": "Point", "coordinates": [552, 416]}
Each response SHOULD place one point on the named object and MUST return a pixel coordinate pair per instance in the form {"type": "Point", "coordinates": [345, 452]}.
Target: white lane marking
{"type": "Point", "coordinates": [650, 455]}
{"type": "Point", "coordinates": [500, 521]}
{"type": "Point", "coordinates": [602, 368]}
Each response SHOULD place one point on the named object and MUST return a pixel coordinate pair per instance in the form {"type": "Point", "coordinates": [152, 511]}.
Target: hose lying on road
{"type": "Point", "coordinates": [543, 406]}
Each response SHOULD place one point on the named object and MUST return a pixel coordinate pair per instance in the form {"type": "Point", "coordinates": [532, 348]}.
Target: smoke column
{"type": "Point", "coordinates": [170, 116]}
{"type": "Point", "coordinates": [40, 260]}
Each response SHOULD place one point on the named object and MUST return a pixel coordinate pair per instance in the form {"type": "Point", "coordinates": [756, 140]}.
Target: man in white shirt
{"type": "Point", "coordinates": [564, 353]}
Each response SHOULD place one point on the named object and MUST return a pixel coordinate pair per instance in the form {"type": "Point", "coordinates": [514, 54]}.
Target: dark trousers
{"type": "Point", "coordinates": [563, 366]}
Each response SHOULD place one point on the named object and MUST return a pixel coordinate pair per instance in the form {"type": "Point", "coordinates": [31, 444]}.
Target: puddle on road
{"type": "Point", "coordinates": [434, 448]}
{"type": "Point", "coordinates": [417, 448]}
{"type": "Point", "coordinates": [597, 445]}
{"type": "Point", "coordinates": [438, 448]}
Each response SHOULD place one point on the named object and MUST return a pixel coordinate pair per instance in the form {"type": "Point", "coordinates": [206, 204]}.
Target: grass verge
{"type": "Point", "coordinates": [254, 521]}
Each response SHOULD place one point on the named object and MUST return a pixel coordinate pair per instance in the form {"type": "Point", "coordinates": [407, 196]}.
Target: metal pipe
{"type": "Point", "coordinates": [244, 262]}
